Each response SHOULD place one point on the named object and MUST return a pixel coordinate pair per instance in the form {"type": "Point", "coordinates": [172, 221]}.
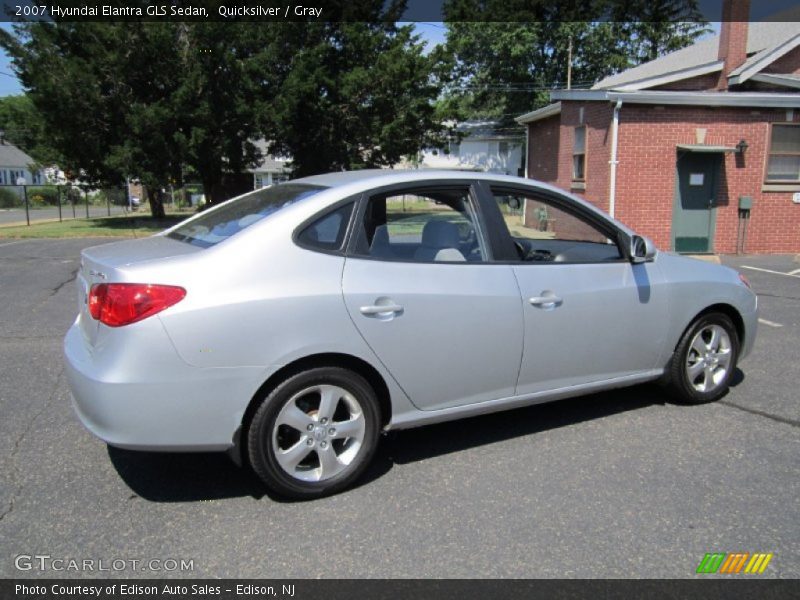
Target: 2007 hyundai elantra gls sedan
{"type": "Point", "coordinates": [292, 325]}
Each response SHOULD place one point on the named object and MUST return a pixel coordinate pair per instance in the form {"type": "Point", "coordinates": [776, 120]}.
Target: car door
{"type": "Point", "coordinates": [418, 284]}
{"type": "Point", "coordinates": [590, 315]}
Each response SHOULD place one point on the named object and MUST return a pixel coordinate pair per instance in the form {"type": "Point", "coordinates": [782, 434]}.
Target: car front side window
{"type": "Point", "coordinates": [544, 231]}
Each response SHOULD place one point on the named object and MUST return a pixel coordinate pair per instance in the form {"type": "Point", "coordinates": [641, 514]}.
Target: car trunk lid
{"type": "Point", "coordinates": [107, 263]}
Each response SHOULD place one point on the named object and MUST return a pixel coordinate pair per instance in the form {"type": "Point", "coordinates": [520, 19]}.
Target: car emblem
{"type": "Point", "coordinates": [94, 273]}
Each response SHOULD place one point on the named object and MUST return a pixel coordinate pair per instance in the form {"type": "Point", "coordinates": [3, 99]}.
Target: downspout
{"type": "Point", "coordinates": [612, 193]}
{"type": "Point", "coordinates": [527, 159]}
{"type": "Point", "coordinates": [527, 137]}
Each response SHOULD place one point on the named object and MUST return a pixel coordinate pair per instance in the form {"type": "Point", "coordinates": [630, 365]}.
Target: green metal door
{"type": "Point", "coordinates": [693, 216]}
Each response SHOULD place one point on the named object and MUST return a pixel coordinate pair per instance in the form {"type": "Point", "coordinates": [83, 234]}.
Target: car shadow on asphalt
{"type": "Point", "coordinates": [192, 477]}
{"type": "Point", "coordinates": [412, 445]}
{"type": "Point", "coordinates": [184, 477]}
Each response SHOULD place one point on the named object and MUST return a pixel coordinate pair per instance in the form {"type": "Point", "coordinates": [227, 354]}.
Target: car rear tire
{"type": "Point", "coordinates": [704, 360]}
{"type": "Point", "coordinates": [315, 433]}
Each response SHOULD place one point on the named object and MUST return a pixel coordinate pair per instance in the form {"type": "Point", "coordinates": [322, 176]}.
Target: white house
{"type": "Point", "coordinates": [271, 169]}
{"type": "Point", "coordinates": [16, 167]}
{"type": "Point", "coordinates": [485, 146]}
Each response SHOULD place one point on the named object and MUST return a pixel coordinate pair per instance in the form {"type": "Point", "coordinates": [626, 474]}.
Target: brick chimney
{"type": "Point", "coordinates": [732, 37]}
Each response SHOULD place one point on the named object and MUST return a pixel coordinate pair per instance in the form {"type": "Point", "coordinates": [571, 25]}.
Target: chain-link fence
{"type": "Point", "coordinates": [26, 204]}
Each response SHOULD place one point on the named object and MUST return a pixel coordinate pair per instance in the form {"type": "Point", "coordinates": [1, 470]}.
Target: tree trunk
{"type": "Point", "coordinates": [156, 199]}
{"type": "Point", "coordinates": [213, 190]}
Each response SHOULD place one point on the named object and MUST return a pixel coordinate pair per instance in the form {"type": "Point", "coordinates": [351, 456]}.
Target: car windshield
{"type": "Point", "coordinates": [218, 224]}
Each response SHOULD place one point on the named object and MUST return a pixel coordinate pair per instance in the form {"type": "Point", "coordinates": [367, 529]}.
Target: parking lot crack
{"type": "Point", "coordinates": [779, 296]}
{"type": "Point", "coordinates": [14, 471]}
{"type": "Point", "coordinates": [762, 413]}
{"type": "Point", "coordinates": [71, 278]}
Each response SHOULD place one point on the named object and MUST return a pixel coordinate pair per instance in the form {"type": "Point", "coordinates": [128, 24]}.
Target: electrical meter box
{"type": "Point", "coordinates": [745, 202]}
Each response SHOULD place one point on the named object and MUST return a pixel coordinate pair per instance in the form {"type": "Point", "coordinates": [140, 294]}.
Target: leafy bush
{"type": "Point", "coordinates": [46, 195]}
{"type": "Point", "coordinates": [9, 199]}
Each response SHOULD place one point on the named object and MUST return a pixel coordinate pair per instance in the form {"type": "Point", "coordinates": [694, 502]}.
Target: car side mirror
{"type": "Point", "coordinates": [642, 249]}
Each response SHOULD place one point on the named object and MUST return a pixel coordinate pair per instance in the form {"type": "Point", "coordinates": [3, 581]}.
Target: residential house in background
{"type": "Point", "coordinates": [16, 167]}
{"type": "Point", "coordinates": [271, 169]}
{"type": "Point", "coordinates": [698, 149]}
{"type": "Point", "coordinates": [485, 146]}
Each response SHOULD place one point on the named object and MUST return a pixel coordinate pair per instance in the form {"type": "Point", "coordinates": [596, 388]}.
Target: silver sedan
{"type": "Point", "coordinates": [292, 325]}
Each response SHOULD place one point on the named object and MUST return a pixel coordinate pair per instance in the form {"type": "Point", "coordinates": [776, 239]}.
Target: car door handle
{"type": "Point", "coordinates": [381, 309]}
{"type": "Point", "coordinates": [548, 301]}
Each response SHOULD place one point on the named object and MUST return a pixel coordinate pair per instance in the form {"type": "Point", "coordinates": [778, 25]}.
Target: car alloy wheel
{"type": "Point", "coordinates": [315, 433]}
{"type": "Point", "coordinates": [704, 360]}
{"type": "Point", "coordinates": [709, 359]}
{"type": "Point", "coordinates": [318, 432]}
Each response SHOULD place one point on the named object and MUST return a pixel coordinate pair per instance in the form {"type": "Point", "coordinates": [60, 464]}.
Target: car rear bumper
{"type": "Point", "coordinates": [175, 407]}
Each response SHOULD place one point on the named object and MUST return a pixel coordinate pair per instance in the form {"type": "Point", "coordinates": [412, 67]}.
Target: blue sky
{"type": "Point", "coordinates": [9, 84]}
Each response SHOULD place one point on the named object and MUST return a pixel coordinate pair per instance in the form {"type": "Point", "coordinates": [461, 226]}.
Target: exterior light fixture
{"type": "Point", "coordinates": [741, 147]}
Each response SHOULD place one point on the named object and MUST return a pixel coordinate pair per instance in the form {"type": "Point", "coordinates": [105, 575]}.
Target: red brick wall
{"type": "Point", "coordinates": [597, 119]}
{"type": "Point", "coordinates": [646, 173]}
{"type": "Point", "coordinates": [732, 37]}
{"type": "Point", "coordinates": [701, 82]}
{"type": "Point", "coordinates": [543, 143]}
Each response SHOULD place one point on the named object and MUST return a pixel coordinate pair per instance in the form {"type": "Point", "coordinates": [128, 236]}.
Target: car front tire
{"type": "Point", "coordinates": [315, 433]}
{"type": "Point", "coordinates": [704, 360]}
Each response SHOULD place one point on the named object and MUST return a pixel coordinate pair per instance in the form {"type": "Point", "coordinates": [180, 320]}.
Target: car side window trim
{"type": "Point", "coordinates": [421, 187]}
{"type": "Point", "coordinates": [501, 241]}
{"type": "Point", "coordinates": [489, 189]}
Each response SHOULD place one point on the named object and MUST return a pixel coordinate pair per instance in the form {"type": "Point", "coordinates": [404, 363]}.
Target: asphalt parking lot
{"type": "Point", "coordinates": [622, 484]}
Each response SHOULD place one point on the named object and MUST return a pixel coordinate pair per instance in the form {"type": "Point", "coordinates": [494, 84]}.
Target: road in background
{"type": "Point", "coordinates": [16, 216]}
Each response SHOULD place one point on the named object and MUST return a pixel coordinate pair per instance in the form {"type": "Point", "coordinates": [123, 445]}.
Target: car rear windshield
{"type": "Point", "coordinates": [218, 224]}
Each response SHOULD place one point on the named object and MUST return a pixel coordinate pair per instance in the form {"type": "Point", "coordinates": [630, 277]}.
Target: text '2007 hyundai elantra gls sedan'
{"type": "Point", "coordinates": [291, 325]}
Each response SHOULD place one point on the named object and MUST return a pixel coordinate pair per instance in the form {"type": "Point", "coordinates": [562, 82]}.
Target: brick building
{"type": "Point", "coordinates": [698, 149]}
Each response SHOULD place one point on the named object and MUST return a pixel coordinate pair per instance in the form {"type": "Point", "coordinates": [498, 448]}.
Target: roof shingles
{"type": "Point", "coordinates": [763, 37]}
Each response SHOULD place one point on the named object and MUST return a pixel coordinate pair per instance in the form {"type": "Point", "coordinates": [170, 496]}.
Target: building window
{"type": "Point", "coordinates": [579, 154]}
{"type": "Point", "coordinates": [783, 163]}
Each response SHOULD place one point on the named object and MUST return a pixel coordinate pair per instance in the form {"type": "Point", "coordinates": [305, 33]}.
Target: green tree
{"type": "Point", "coordinates": [141, 100]}
{"type": "Point", "coordinates": [24, 127]}
{"type": "Point", "coordinates": [651, 28]}
{"type": "Point", "coordinates": [354, 95]}
{"type": "Point", "coordinates": [505, 68]}
{"type": "Point", "coordinates": [225, 89]}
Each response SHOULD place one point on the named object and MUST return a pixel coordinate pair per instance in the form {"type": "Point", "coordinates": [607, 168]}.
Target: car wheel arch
{"type": "Point", "coordinates": [726, 309]}
{"type": "Point", "coordinates": [332, 359]}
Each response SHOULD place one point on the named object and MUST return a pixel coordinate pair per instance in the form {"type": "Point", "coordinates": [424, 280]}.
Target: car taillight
{"type": "Point", "coordinates": [118, 304]}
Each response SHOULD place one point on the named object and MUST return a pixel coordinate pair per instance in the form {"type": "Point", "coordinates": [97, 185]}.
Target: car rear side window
{"type": "Point", "coordinates": [327, 232]}
{"type": "Point", "coordinates": [416, 225]}
{"type": "Point", "coordinates": [228, 219]}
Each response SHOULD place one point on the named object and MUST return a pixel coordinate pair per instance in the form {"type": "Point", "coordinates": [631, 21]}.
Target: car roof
{"type": "Point", "coordinates": [373, 177]}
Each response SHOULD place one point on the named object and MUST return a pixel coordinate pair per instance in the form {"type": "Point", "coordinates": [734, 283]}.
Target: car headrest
{"type": "Point", "coordinates": [440, 234]}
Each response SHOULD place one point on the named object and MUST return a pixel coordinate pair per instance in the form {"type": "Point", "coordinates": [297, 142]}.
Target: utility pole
{"type": "Point", "coordinates": [569, 64]}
